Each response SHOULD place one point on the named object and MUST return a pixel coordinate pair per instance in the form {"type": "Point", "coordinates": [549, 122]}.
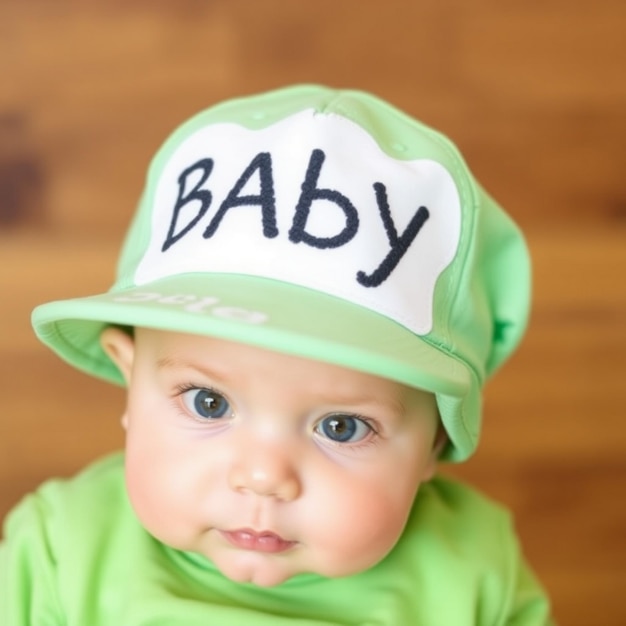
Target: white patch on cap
{"type": "Point", "coordinates": [310, 200]}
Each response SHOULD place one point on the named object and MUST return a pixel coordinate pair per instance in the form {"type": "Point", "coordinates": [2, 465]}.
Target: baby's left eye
{"type": "Point", "coordinates": [206, 404]}
{"type": "Point", "coordinates": [342, 428]}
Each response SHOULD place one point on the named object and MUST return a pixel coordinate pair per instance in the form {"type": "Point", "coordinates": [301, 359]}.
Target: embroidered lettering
{"type": "Point", "coordinates": [178, 299]}
{"type": "Point", "coordinates": [203, 196]}
{"type": "Point", "coordinates": [201, 304]}
{"type": "Point", "coordinates": [262, 163]}
{"type": "Point", "coordinates": [399, 244]}
{"type": "Point", "coordinates": [266, 199]}
{"type": "Point", "coordinates": [198, 304]}
{"type": "Point", "coordinates": [310, 193]}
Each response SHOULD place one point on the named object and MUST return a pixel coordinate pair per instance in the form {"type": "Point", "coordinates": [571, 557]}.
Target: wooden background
{"type": "Point", "coordinates": [533, 92]}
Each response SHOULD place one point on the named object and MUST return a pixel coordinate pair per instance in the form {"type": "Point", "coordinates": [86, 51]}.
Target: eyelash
{"type": "Point", "coordinates": [370, 439]}
{"type": "Point", "coordinates": [179, 402]}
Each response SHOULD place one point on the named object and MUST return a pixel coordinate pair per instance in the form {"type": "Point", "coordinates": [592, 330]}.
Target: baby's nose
{"type": "Point", "coordinates": [266, 471]}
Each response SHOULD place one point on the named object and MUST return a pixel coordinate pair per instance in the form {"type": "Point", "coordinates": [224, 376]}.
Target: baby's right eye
{"type": "Point", "coordinates": [206, 404]}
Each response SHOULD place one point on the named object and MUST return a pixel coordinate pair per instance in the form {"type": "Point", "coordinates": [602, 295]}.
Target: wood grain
{"type": "Point", "coordinates": [533, 92]}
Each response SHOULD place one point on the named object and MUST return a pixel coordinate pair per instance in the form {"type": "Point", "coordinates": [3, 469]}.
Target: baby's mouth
{"type": "Point", "coordinates": [264, 541]}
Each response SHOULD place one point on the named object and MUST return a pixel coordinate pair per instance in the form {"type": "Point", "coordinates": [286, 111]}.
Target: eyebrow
{"type": "Point", "coordinates": [175, 363]}
{"type": "Point", "coordinates": [395, 404]}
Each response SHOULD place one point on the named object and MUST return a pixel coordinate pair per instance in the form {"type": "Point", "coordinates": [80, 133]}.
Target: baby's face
{"type": "Point", "coordinates": [269, 465]}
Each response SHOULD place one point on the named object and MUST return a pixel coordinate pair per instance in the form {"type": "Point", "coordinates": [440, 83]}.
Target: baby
{"type": "Point", "coordinates": [308, 302]}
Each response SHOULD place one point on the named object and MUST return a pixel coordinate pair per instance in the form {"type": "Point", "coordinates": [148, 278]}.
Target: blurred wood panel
{"type": "Point", "coordinates": [534, 94]}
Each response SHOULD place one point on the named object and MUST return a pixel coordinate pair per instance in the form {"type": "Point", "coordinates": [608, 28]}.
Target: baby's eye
{"type": "Point", "coordinates": [343, 428]}
{"type": "Point", "coordinates": [206, 403]}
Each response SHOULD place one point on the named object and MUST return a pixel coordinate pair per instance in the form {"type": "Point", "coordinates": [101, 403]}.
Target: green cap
{"type": "Point", "coordinates": [325, 224]}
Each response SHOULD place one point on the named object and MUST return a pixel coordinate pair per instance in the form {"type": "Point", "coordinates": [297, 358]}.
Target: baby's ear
{"type": "Point", "coordinates": [120, 348]}
{"type": "Point", "coordinates": [441, 441]}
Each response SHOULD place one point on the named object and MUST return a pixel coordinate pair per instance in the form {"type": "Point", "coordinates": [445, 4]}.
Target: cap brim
{"type": "Point", "coordinates": [256, 311]}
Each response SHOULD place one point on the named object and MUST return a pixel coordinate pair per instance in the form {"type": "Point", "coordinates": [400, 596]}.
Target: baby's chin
{"type": "Point", "coordinates": [255, 569]}
{"type": "Point", "coordinates": [264, 571]}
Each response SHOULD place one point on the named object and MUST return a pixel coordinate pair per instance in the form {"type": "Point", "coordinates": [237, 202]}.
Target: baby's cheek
{"type": "Point", "coordinates": [360, 529]}
{"type": "Point", "coordinates": [147, 490]}
{"type": "Point", "coordinates": [380, 524]}
{"type": "Point", "coordinates": [139, 484]}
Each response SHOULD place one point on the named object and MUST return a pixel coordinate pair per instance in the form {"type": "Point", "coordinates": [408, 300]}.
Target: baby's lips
{"type": "Point", "coordinates": [264, 541]}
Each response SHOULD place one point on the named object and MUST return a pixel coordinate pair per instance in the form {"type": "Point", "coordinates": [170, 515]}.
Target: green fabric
{"type": "Point", "coordinates": [74, 555]}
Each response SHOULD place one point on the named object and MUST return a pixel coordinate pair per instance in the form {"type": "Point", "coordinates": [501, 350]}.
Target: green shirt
{"type": "Point", "coordinates": [74, 554]}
